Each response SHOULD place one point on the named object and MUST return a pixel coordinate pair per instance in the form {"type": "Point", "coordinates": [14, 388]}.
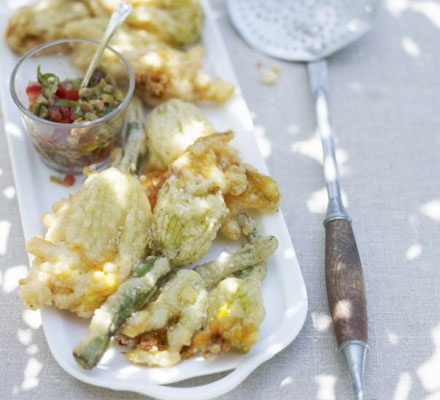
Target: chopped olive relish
{"type": "Point", "coordinates": [65, 102]}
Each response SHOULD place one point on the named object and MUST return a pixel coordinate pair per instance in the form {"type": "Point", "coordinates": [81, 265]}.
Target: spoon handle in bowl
{"type": "Point", "coordinates": [117, 18]}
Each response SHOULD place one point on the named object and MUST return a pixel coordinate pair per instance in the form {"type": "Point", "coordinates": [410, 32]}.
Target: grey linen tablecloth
{"type": "Point", "coordinates": [385, 98]}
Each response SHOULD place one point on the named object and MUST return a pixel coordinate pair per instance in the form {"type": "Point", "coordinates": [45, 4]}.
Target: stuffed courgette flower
{"type": "Point", "coordinates": [235, 313]}
{"type": "Point", "coordinates": [211, 166]}
{"type": "Point", "coordinates": [185, 221]}
{"type": "Point", "coordinates": [236, 308]}
{"type": "Point", "coordinates": [95, 237]}
{"type": "Point", "coordinates": [190, 207]}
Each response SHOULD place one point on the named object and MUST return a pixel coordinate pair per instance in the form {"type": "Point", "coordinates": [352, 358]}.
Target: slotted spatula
{"type": "Point", "coordinates": [309, 31]}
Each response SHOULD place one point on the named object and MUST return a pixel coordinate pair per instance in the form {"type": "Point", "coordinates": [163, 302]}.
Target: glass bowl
{"type": "Point", "coordinates": [69, 147]}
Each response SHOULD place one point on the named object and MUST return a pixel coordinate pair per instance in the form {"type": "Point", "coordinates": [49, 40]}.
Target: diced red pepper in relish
{"type": "Point", "coordinates": [67, 114]}
{"type": "Point", "coordinates": [72, 113]}
{"type": "Point", "coordinates": [62, 114]}
{"type": "Point", "coordinates": [65, 111]}
{"type": "Point", "coordinates": [33, 90]}
{"type": "Point", "coordinates": [63, 93]}
{"type": "Point", "coordinates": [55, 114]}
{"type": "Point", "coordinates": [69, 180]}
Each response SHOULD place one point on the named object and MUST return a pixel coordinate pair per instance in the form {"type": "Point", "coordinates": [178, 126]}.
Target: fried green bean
{"type": "Point", "coordinates": [227, 264]}
{"type": "Point", "coordinates": [130, 296]}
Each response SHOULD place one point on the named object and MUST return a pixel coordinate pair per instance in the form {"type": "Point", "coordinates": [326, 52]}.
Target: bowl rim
{"type": "Point", "coordinates": [19, 104]}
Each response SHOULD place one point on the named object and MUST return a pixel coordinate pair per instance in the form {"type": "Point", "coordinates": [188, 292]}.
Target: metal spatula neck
{"type": "Point", "coordinates": [355, 352]}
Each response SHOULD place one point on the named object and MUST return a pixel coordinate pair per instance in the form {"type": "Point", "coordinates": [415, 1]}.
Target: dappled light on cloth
{"type": "Point", "coordinates": [326, 387]}
{"type": "Point", "coordinates": [429, 371]}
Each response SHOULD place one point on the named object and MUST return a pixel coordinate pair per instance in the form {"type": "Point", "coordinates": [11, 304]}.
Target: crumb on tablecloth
{"type": "Point", "coordinates": [269, 76]}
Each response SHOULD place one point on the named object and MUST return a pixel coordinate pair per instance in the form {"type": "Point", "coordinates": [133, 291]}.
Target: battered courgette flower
{"type": "Point", "coordinates": [212, 165]}
{"type": "Point", "coordinates": [185, 222]}
{"type": "Point", "coordinates": [207, 186]}
{"type": "Point", "coordinates": [108, 319]}
{"type": "Point", "coordinates": [190, 206]}
{"type": "Point", "coordinates": [171, 127]}
{"type": "Point", "coordinates": [235, 313]}
{"type": "Point", "coordinates": [236, 309]}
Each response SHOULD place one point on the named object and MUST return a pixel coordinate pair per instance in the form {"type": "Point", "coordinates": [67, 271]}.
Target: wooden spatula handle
{"type": "Point", "coordinates": [345, 282]}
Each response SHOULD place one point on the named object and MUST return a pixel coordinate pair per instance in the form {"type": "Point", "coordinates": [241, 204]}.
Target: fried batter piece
{"type": "Point", "coordinates": [261, 194]}
{"type": "Point", "coordinates": [178, 22]}
{"type": "Point", "coordinates": [38, 23]}
{"type": "Point", "coordinates": [209, 165]}
{"type": "Point", "coordinates": [94, 239]}
{"type": "Point", "coordinates": [212, 163]}
{"type": "Point", "coordinates": [161, 72]}
{"type": "Point", "coordinates": [243, 187]}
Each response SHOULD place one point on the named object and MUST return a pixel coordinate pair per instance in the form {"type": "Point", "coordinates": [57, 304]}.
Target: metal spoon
{"type": "Point", "coordinates": [310, 30]}
{"type": "Point", "coordinates": [117, 18]}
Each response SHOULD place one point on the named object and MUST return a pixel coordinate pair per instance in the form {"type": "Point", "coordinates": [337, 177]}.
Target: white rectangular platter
{"type": "Point", "coordinates": [284, 292]}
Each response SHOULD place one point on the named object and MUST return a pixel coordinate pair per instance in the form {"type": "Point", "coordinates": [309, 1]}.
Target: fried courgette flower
{"type": "Point", "coordinates": [211, 164]}
{"type": "Point", "coordinates": [185, 221]}
{"type": "Point", "coordinates": [235, 313]}
{"type": "Point", "coordinates": [40, 22]}
{"type": "Point", "coordinates": [178, 22]}
{"type": "Point", "coordinates": [94, 238]}
{"type": "Point", "coordinates": [190, 207]}
{"type": "Point", "coordinates": [236, 308]}
{"type": "Point", "coordinates": [161, 71]}
{"type": "Point", "coordinates": [171, 128]}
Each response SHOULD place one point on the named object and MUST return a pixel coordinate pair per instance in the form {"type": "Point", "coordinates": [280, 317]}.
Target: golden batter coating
{"type": "Point", "coordinates": [261, 194]}
{"type": "Point", "coordinates": [236, 309]}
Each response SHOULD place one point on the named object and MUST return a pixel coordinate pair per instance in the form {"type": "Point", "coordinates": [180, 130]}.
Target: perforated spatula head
{"type": "Point", "coordinates": [301, 30]}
